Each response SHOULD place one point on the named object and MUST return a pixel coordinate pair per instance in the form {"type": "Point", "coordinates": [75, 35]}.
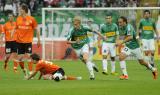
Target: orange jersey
{"type": "Point", "coordinates": [25, 29]}
{"type": "Point", "coordinates": [46, 67]}
{"type": "Point", "coordinates": [9, 31]}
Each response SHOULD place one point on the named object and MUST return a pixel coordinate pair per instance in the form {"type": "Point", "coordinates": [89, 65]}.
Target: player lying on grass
{"type": "Point", "coordinates": [49, 70]}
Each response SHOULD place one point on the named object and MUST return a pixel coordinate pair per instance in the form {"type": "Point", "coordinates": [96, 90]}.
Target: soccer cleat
{"type": "Point", "coordinates": [114, 73]}
{"type": "Point", "coordinates": [123, 77]}
{"type": "Point", "coordinates": [95, 68]}
{"type": "Point", "coordinates": [92, 78]}
{"type": "Point", "coordinates": [155, 74]}
{"type": "Point", "coordinates": [105, 73]}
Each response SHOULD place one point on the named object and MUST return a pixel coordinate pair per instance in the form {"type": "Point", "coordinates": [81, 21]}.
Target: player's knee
{"type": "Point", "coordinates": [104, 56]}
{"type": "Point", "coordinates": [112, 58]}
{"type": "Point", "coordinates": [122, 57]}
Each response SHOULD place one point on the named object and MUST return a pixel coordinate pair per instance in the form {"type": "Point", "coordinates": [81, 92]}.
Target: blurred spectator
{"type": "Point", "coordinates": [79, 3]}
{"type": "Point", "coordinates": [71, 4]}
{"type": "Point", "coordinates": [132, 3]}
{"type": "Point", "coordinates": [32, 5]}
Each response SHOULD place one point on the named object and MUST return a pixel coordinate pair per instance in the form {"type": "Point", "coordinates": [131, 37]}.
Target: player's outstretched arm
{"type": "Point", "coordinates": [32, 75]}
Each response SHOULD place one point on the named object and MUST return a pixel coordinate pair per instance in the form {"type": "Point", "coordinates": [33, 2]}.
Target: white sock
{"type": "Point", "coordinates": [147, 59]}
{"type": "Point", "coordinates": [90, 68]}
{"type": "Point", "coordinates": [104, 64]}
{"type": "Point", "coordinates": [112, 66]}
{"type": "Point", "coordinates": [150, 67]}
{"type": "Point", "coordinates": [91, 55]}
{"type": "Point", "coordinates": [152, 59]}
{"type": "Point", "coordinates": [123, 67]}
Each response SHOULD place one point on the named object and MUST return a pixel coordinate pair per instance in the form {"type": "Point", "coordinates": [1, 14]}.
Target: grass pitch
{"type": "Point", "coordinates": [140, 82]}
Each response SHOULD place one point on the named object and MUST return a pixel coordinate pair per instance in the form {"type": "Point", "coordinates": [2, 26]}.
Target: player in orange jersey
{"type": "Point", "coordinates": [26, 25]}
{"type": "Point", "coordinates": [46, 68]}
{"type": "Point", "coordinates": [10, 41]}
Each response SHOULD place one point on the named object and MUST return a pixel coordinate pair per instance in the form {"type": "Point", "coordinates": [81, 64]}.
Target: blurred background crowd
{"type": "Point", "coordinates": [36, 5]}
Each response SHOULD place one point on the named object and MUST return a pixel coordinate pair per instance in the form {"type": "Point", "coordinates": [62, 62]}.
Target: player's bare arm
{"type": "Point", "coordinates": [32, 75]}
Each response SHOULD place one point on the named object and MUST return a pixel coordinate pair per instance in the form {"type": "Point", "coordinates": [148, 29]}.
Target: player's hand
{"type": "Point", "coordinates": [99, 46]}
{"type": "Point", "coordinates": [104, 38]}
{"type": "Point", "coordinates": [137, 37]}
{"type": "Point", "coordinates": [118, 43]}
{"type": "Point", "coordinates": [78, 41]}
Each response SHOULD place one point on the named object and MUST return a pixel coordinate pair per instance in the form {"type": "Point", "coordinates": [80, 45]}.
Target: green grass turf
{"type": "Point", "coordinates": [140, 82]}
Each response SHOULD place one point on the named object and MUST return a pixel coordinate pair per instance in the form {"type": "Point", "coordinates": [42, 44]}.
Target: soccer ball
{"type": "Point", "coordinates": [57, 76]}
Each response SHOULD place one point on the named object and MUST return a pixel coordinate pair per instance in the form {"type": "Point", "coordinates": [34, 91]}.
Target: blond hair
{"type": "Point", "coordinates": [77, 18]}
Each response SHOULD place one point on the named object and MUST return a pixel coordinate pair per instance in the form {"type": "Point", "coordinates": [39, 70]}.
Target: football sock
{"type": "Point", "coordinates": [123, 67]}
{"type": "Point", "coordinates": [112, 66]}
{"type": "Point", "coordinates": [90, 68]}
{"type": "Point", "coordinates": [104, 64]}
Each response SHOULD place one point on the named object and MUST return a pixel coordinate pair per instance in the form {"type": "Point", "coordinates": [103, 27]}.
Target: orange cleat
{"type": "Point", "coordinates": [155, 74]}
{"type": "Point", "coordinates": [123, 77]}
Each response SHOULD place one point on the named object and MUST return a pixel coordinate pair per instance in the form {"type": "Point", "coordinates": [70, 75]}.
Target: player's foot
{"type": "Point", "coordinates": [95, 68]}
{"type": "Point", "coordinates": [15, 70]}
{"type": "Point", "coordinates": [155, 74]}
{"type": "Point", "coordinates": [78, 78]}
{"type": "Point", "coordinates": [123, 77]}
{"type": "Point", "coordinates": [114, 73]}
{"type": "Point", "coordinates": [105, 72]}
{"type": "Point", "coordinates": [92, 77]}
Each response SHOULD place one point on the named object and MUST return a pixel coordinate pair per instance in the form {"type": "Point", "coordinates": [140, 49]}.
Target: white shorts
{"type": "Point", "coordinates": [84, 49]}
{"type": "Point", "coordinates": [135, 52]}
{"type": "Point", "coordinates": [109, 48]}
{"type": "Point", "coordinates": [148, 44]}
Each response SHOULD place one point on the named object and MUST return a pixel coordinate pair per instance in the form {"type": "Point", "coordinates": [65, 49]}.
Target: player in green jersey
{"type": "Point", "coordinates": [131, 47]}
{"type": "Point", "coordinates": [79, 40]}
{"type": "Point", "coordinates": [110, 31]}
{"type": "Point", "coordinates": [147, 27]}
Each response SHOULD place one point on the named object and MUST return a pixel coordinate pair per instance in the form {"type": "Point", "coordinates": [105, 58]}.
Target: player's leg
{"type": "Point", "coordinates": [139, 55]}
{"type": "Point", "coordinates": [91, 56]}
{"type": "Point", "coordinates": [147, 52]}
{"type": "Point", "coordinates": [152, 50]}
{"type": "Point", "coordinates": [122, 56]}
{"type": "Point", "coordinates": [105, 51]}
{"type": "Point", "coordinates": [8, 54]}
{"type": "Point", "coordinates": [112, 50]}
{"type": "Point", "coordinates": [89, 64]}
{"type": "Point", "coordinates": [14, 56]}
{"type": "Point", "coordinates": [28, 52]}
{"type": "Point", "coordinates": [21, 57]}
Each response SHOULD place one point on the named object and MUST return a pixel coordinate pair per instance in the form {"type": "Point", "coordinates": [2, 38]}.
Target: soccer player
{"type": "Point", "coordinates": [110, 31]}
{"type": "Point", "coordinates": [147, 27]}
{"type": "Point", "coordinates": [49, 70]}
{"type": "Point", "coordinates": [10, 41]}
{"type": "Point", "coordinates": [25, 27]}
{"type": "Point", "coordinates": [131, 47]}
{"type": "Point", "coordinates": [79, 40]}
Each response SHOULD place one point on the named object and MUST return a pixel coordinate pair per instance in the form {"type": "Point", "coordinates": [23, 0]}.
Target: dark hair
{"type": "Point", "coordinates": [148, 11]}
{"type": "Point", "coordinates": [24, 7]}
{"type": "Point", "coordinates": [124, 19]}
{"type": "Point", "coordinates": [35, 56]}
